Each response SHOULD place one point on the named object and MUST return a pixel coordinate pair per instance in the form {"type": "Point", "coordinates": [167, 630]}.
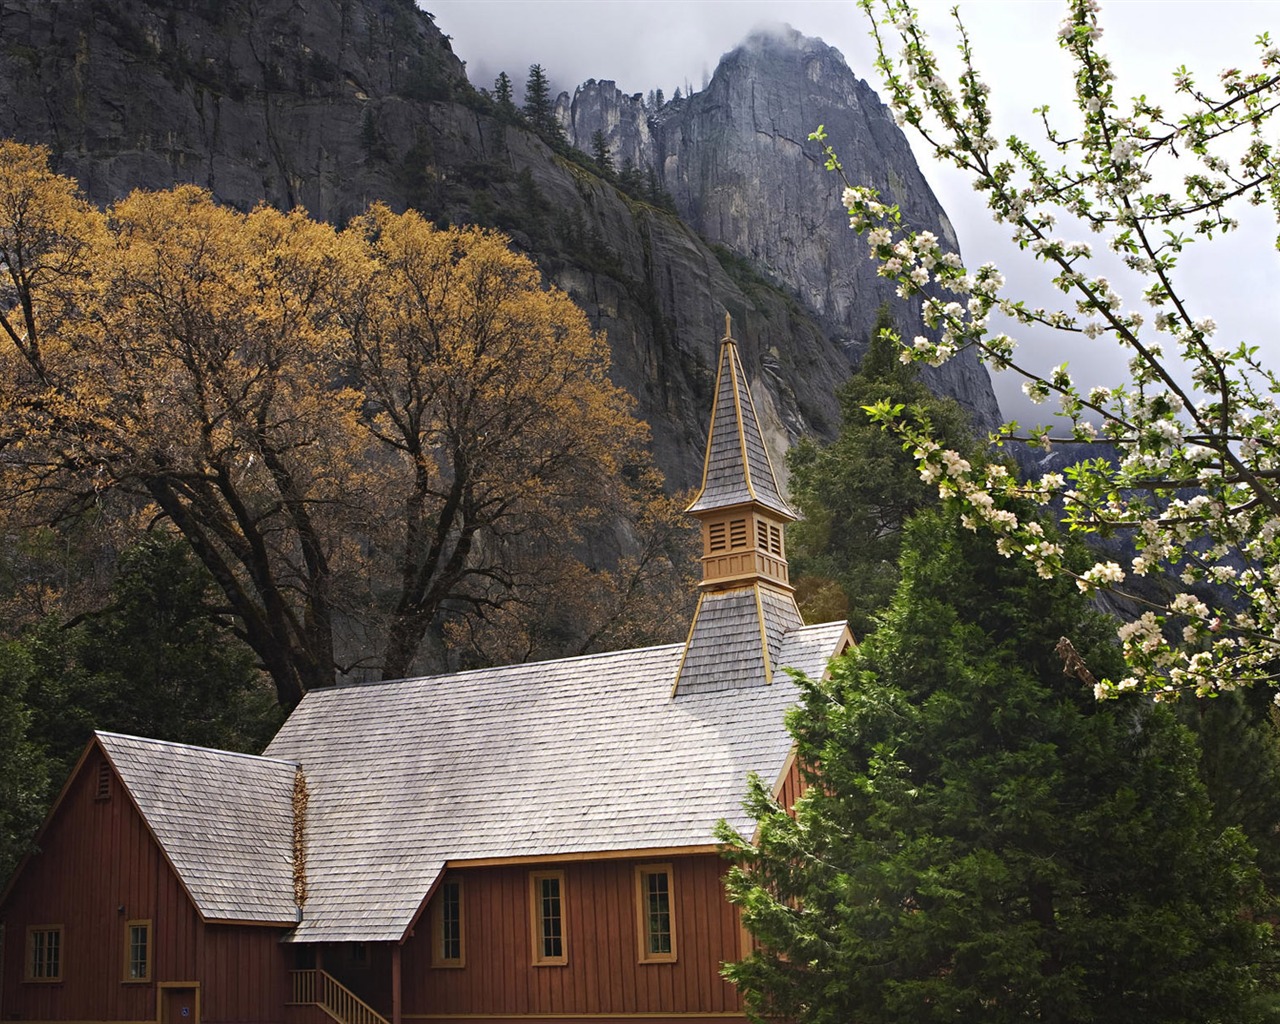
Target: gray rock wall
{"type": "Point", "coordinates": [737, 160]}
{"type": "Point", "coordinates": [332, 104]}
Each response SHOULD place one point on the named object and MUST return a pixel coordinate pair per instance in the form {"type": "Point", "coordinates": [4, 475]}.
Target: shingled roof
{"type": "Point", "coordinates": [224, 821]}
{"type": "Point", "coordinates": [737, 637]}
{"type": "Point", "coordinates": [583, 755]}
{"type": "Point", "coordinates": [736, 468]}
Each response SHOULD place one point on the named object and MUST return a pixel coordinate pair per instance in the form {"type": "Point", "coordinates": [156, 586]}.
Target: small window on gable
{"type": "Point", "coordinates": [737, 533]}
{"type": "Point", "coordinates": [447, 925]}
{"type": "Point", "coordinates": [655, 914]}
{"type": "Point", "coordinates": [716, 536]}
{"type": "Point", "coordinates": [44, 953]}
{"type": "Point", "coordinates": [137, 951]}
{"type": "Point", "coordinates": [103, 789]}
{"type": "Point", "coordinates": [547, 894]}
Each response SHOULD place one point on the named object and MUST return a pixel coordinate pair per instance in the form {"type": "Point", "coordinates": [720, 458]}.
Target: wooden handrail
{"type": "Point", "coordinates": [322, 989]}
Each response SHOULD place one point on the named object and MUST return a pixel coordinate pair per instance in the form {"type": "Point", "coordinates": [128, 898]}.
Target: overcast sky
{"type": "Point", "coordinates": [646, 44]}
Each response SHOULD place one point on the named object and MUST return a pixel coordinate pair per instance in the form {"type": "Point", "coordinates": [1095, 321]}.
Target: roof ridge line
{"type": "Point", "coordinates": [739, 377]}
{"type": "Point", "coordinates": [815, 625]}
{"type": "Point", "coordinates": [515, 666]}
{"type": "Point", "coordinates": [196, 746]}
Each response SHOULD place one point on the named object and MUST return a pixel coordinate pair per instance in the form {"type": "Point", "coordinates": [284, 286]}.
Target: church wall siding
{"type": "Point", "coordinates": [98, 868]}
{"type": "Point", "coordinates": [791, 786]}
{"type": "Point", "coordinates": [603, 974]}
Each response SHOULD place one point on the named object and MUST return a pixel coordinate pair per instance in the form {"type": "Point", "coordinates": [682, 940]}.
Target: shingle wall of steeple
{"type": "Point", "coordinates": [736, 639]}
{"type": "Point", "coordinates": [736, 469]}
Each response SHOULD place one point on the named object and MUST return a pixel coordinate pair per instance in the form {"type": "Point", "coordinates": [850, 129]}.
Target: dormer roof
{"type": "Point", "coordinates": [224, 821]}
{"type": "Point", "coordinates": [736, 469]}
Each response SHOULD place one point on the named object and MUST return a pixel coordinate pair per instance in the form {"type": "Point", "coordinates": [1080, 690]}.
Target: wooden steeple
{"type": "Point", "coordinates": [746, 603]}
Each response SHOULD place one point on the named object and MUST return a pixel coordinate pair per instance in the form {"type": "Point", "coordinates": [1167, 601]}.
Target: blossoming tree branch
{"type": "Point", "coordinates": [1191, 460]}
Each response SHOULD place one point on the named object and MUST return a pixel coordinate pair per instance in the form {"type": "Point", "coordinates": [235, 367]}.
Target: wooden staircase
{"type": "Point", "coordinates": [319, 988]}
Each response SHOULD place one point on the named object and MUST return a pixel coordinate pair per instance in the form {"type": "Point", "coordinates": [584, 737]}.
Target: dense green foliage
{"type": "Point", "coordinates": [1240, 764]}
{"type": "Point", "coordinates": [856, 493]}
{"type": "Point", "coordinates": [600, 154]}
{"type": "Point", "coordinates": [502, 94]}
{"type": "Point", "coordinates": [158, 661]}
{"type": "Point", "coordinates": [981, 838]}
{"type": "Point", "coordinates": [24, 767]}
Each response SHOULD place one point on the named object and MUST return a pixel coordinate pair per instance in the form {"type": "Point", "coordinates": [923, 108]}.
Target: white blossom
{"type": "Point", "coordinates": [1226, 444]}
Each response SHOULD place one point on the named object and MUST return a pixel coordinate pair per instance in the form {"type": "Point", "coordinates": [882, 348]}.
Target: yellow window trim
{"type": "Point", "coordinates": [540, 959]}
{"type": "Point", "coordinates": [28, 972]}
{"type": "Point", "coordinates": [438, 959]}
{"type": "Point", "coordinates": [642, 874]}
{"type": "Point", "coordinates": [127, 977]}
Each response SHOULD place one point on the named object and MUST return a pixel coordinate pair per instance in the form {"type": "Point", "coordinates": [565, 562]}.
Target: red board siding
{"type": "Point", "coordinates": [604, 975]}
{"type": "Point", "coordinates": [98, 867]}
{"type": "Point", "coordinates": [791, 786]}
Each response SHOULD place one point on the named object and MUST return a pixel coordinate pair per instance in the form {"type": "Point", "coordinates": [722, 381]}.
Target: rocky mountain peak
{"type": "Point", "coordinates": [332, 104]}
{"type": "Point", "coordinates": [768, 37]}
{"type": "Point", "coordinates": [737, 160]}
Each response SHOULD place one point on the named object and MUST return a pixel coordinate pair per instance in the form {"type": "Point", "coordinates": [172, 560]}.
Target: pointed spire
{"type": "Point", "coordinates": [747, 604]}
{"type": "Point", "coordinates": [736, 469]}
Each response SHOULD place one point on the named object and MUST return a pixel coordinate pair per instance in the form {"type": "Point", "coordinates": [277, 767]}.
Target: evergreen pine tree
{"type": "Point", "coordinates": [538, 106]}
{"type": "Point", "coordinates": [502, 96]}
{"type": "Point", "coordinates": [168, 659]}
{"type": "Point", "coordinates": [24, 767]}
{"type": "Point", "coordinates": [652, 189]}
{"type": "Point", "coordinates": [1239, 742]}
{"type": "Point", "coordinates": [630, 180]}
{"type": "Point", "coordinates": [856, 493]}
{"type": "Point", "coordinates": [157, 662]}
{"type": "Point", "coordinates": [600, 153]}
{"type": "Point", "coordinates": [981, 839]}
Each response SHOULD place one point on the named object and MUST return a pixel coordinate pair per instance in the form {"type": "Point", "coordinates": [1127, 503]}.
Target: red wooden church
{"type": "Point", "coordinates": [490, 846]}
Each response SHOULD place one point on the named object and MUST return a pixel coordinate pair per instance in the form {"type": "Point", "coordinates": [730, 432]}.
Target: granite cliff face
{"type": "Point", "coordinates": [737, 160]}
{"type": "Point", "coordinates": [273, 100]}
{"type": "Point", "coordinates": [332, 104]}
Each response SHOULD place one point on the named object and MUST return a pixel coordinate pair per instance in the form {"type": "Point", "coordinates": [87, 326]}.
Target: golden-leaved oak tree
{"type": "Point", "coordinates": [361, 434]}
{"type": "Point", "coordinates": [50, 239]}
{"type": "Point", "coordinates": [217, 333]}
{"type": "Point", "coordinates": [502, 432]}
